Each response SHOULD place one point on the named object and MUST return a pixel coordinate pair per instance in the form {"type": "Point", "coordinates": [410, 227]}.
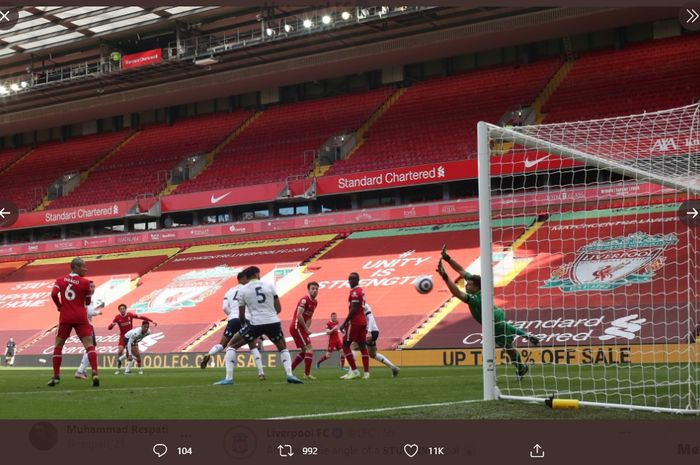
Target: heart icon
{"type": "Point", "coordinates": [410, 449]}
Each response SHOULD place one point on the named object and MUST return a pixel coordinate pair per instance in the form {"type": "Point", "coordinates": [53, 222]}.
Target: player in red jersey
{"type": "Point", "coordinates": [355, 328]}
{"type": "Point", "coordinates": [334, 342]}
{"type": "Point", "coordinates": [300, 329]}
{"type": "Point", "coordinates": [74, 291]}
{"type": "Point", "coordinates": [125, 321]}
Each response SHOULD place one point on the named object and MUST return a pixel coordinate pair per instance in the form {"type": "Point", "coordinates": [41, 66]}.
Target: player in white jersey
{"type": "Point", "coordinates": [132, 339]}
{"type": "Point", "coordinates": [372, 336]}
{"type": "Point", "coordinates": [261, 299]}
{"type": "Point", "coordinates": [91, 311]}
{"type": "Point", "coordinates": [233, 325]}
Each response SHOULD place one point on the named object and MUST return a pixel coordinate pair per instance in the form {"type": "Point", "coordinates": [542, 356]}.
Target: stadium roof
{"type": "Point", "coordinates": [93, 32]}
{"type": "Point", "coordinates": [40, 27]}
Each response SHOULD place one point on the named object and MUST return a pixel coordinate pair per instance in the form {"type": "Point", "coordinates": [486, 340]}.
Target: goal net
{"type": "Point", "coordinates": [606, 275]}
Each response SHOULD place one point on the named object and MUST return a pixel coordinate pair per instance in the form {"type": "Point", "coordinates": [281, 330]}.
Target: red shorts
{"type": "Point", "coordinates": [122, 340]}
{"type": "Point", "coordinates": [300, 337]}
{"type": "Point", "coordinates": [335, 345]}
{"type": "Point", "coordinates": [81, 329]}
{"type": "Point", "coordinates": [356, 333]}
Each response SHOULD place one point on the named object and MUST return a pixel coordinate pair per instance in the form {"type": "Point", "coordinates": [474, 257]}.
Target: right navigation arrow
{"type": "Point", "coordinates": [694, 212]}
{"type": "Point", "coordinates": [693, 15]}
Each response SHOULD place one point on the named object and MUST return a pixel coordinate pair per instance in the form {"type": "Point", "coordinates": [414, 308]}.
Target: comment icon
{"type": "Point", "coordinates": [160, 450]}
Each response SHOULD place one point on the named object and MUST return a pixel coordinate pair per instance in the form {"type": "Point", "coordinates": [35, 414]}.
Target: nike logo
{"type": "Point", "coordinates": [219, 198]}
{"type": "Point", "coordinates": [531, 163]}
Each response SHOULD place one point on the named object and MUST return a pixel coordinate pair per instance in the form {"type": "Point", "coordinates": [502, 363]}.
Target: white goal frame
{"type": "Point", "coordinates": [486, 134]}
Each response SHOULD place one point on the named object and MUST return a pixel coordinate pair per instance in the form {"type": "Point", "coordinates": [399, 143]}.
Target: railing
{"type": "Point", "coordinates": [277, 29]}
{"type": "Point", "coordinates": [163, 176]}
{"type": "Point", "coordinates": [38, 79]}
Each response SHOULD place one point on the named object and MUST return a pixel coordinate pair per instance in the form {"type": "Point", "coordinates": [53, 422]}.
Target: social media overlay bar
{"type": "Point", "coordinates": [341, 442]}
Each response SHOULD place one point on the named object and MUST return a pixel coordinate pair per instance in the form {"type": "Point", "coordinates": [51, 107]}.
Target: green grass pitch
{"type": "Point", "coordinates": [189, 394]}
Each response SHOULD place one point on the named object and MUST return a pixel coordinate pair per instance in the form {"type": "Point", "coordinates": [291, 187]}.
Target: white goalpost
{"type": "Point", "coordinates": [607, 275]}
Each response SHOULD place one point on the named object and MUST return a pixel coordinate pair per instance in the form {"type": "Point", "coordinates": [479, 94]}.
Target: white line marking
{"type": "Point", "coordinates": [375, 410]}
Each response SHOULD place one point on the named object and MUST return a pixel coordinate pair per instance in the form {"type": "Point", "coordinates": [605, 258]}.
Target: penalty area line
{"type": "Point", "coordinates": [376, 410]}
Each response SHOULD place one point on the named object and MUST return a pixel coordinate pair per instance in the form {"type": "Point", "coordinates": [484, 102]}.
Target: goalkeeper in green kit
{"type": "Point", "coordinates": [505, 333]}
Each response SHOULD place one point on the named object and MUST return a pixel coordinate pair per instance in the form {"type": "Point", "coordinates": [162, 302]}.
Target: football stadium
{"type": "Point", "coordinates": [516, 188]}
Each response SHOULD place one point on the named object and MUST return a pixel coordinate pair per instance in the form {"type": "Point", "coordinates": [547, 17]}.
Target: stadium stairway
{"type": "Point", "coordinates": [8, 276]}
{"type": "Point", "coordinates": [84, 174]}
{"type": "Point", "coordinates": [215, 328]}
{"type": "Point", "coordinates": [373, 119]}
{"type": "Point", "coordinates": [292, 280]}
{"type": "Point", "coordinates": [551, 87]}
{"type": "Point", "coordinates": [426, 326]}
{"type": "Point", "coordinates": [15, 161]}
{"type": "Point", "coordinates": [504, 277]}
{"type": "Point", "coordinates": [540, 101]}
{"type": "Point", "coordinates": [170, 188]}
{"type": "Point", "coordinates": [130, 137]}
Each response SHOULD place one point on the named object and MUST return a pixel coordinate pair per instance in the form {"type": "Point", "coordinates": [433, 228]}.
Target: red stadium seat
{"type": "Point", "coordinates": [274, 147]}
{"type": "Point", "coordinates": [643, 77]}
{"type": "Point", "coordinates": [27, 182]}
{"type": "Point", "coordinates": [142, 166]}
{"type": "Point", "coordinates": [435, 120]}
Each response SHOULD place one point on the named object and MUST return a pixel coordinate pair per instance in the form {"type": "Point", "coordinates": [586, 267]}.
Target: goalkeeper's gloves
{"type": "Point", "coordinates": [445, 255]}
{"type": "Point", "coordinates": [441, 270]}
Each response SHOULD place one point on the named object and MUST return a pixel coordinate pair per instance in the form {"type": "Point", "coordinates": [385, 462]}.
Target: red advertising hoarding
{"type": "Point", "coordinates": [438, 173]}
{"type": "Point", "coordinates": [148, 57]}
{"type": "Point", "coordinates": [82, 214]}
{"type": "Point", "coordinates": [449, 208]}
{"type": "Point", "coordinates": [222, 198]}
{"type": "Point", "coordinates": [396, 177]}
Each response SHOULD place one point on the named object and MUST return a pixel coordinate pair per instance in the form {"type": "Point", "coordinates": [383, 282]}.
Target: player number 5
{"type": "Point", "coordinates": [261, 297]}
{"type": "Point", "coordinates": [70, 293]}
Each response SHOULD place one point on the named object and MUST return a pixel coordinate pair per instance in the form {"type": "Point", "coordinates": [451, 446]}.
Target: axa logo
{"type": "Point", "coordinates": [626, 327]}
{"type": "Point", "coordinates": [664, 145]}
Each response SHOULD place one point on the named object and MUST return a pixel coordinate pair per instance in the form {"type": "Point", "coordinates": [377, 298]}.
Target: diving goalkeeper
{"type": "Point", "coordinates": [505, 333]}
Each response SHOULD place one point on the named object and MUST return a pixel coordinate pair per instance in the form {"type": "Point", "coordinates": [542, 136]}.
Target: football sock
{"type": "Point", "coordinates": [83, 363]}
{"type": "Point", "coordinates": [286, 362]}
{"type": "Point", "coordinates": [229, 362]}
{"type": "Point", "coordinates": [382, 359]}
{"type": "Point", "coordinates": [516, 360]}
{"type": "Point", "coordinates": [129, 365]}
{"type": "Point", "coordinates": [350, 358]}
{"type": "Point", "coordinates": [92, 357]}
{"type": "Point", "coordinates": [57, 359]}
{"type": "Point", "coordinates": [139, 363]}
{"type": "Point", "coordinates": [216, 349]}
{"type": "Point", "coordinates": [365, 359]}
{"type": "Point", "coordinates": [308, 360]}
{"type": "Point", "coordinates": [322, 359]}
{"type": "Point", "coordinates": [298, 359]}
{"type": "Point", "coordinates": [258, 361]}
{"type": "Point", "coordinates": [342, 360]}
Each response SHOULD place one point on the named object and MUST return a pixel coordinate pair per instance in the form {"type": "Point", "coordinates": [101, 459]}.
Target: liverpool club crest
{"type": "Point", "coordinates": [607, 264]}
{"type": "Point", "coordinates": [185, 291]}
